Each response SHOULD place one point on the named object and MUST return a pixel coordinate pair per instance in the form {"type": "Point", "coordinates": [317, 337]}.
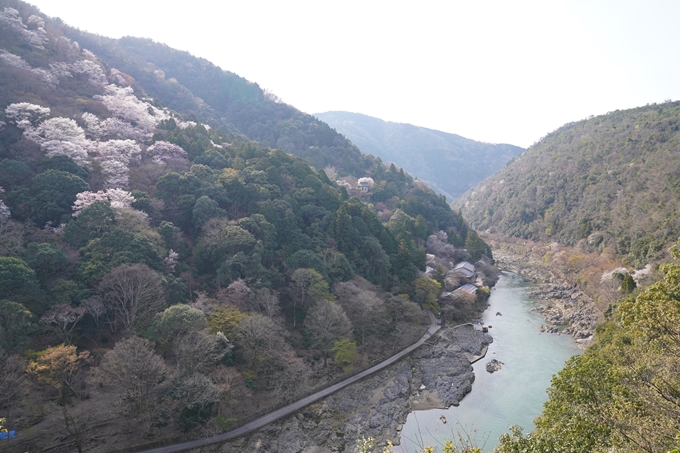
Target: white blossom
{"type": "Point", "coordinates": [119, 199]}
{"type": "Point", "coordinates": [26, 115]}
{"type": "Point", "coordinates": [162, 152]}
{"type": "Point", "coordinates": [92, 126]}
{"type": "Point", "coordinates": [4, 211]}
{"type": "Point", "coordinates": [120, 78]}
{"type": "Point", "coordinates": [365, 181]}
{"type": "Point", "coordinates": [91, 70]}
{"type": "Point", "coordinates": [132, 118]}
{"type": "Point", "coordinates": [185, 124]}
{"type": "Point", "coordinates": [10, 17]}
{"type": "Point", "coordinates": [170, 261]}
{"type": "Point", "coordinates": [85, 199]}
{"type": "Point", "coordinates": [14, 60]}
{"type": "Point", "coordinates": [36, 21]}
{"type": "Point", "coordinates": [119, 150]}
{"type": "Point", "coordinates": [61, 137]}
{"type": "Point", "coordinates": [116, 174]}
{"type": "Point", "coordinates": [2, 125]}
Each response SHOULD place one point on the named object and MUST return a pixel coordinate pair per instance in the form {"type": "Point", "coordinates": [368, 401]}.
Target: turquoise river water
{"type": "Point", "coordinates": [513, 395]}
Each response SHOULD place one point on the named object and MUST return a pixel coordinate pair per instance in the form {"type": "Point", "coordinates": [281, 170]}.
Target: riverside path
{"type": "Point", "coordinates": [297, 405]}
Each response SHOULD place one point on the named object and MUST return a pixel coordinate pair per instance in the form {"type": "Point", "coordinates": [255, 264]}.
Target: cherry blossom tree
{"type": "Point", "coordinates": [92, 126]}
{"type": "Point", "coordinates": [36, 36]}
{"type": "Point", "coordinates": [119, 199]}
{"type": "Point", "coordinates": [162, 152]}
{"type": "Point", "coordinates": [132, 118]}
{"type": "Point", "coordinates": [61, 137]}
{"type": "Point", "coordinates": [26, 115]}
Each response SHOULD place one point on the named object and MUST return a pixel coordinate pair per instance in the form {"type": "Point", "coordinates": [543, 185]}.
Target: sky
{"type": "Point", "coordinates": [497, 71]}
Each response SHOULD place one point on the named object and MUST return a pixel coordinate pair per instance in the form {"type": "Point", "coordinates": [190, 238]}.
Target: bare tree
{"type": "Point", "coordinates": [261, 339]}
{"type": "Point", "coordinates": [96, 308]}
{"type": "Point", "coordinates": [11, 238]}
{"type": "Point", "coordinates": [293, 381]}
{"type": "Point", "coordinates": [133, 294]}
{"type": "Point", "coordinates": [327, 322]}
{"type": "Point", "coordinates": [13, 384]}
{"type": "Point", "coordinates": [62, 319]}
{"type": "Point", "coordinates": [267, 302]}
{"type": "Point", "coordinates": [365, 309]}
{"type": "Point", "coordinates": [196, 394]}
{"type": "Point", "coordinates": [199, 351]}
{"type": "Point", "coordinates": [136, 372]}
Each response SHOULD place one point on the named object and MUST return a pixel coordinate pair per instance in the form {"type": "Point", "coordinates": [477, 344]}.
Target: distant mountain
{"type": "Point", "coordinates": [449, 163]}
{"type": "Point", "coordinates": [612, 180]}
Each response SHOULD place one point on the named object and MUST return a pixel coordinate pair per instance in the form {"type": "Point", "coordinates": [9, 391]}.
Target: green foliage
{"type": "Point", "coordinates": [225, 319]}
{"type": "Point", "coordinates": [67, 292]}
{"type": "Point", "coordinates": [91, 223]}
{"type": "Point", "coordinates": [113, 249]}
{"type": "Point", "coordinates": [64, 163]}
{"type": "Point", "coordinates": [476, 246]}
{"type": "Point", "coordinates": [45, 259]}
{"type": "Point", "coordinates": [175, 321]}
{"type": "Point", "coordinates": [17, 280]}
{"type": "Point", "coordinates": [612, 180]}
{"type": "Point", "coordinates": [16, 326]}
{"type": "Point", "coordinates": [628, 285]}
{"type": "Point", "coordinates": [14, 173]}
{"type": "Point", "coordinates": [623, 393]}
{"type": "Point", "coordinates": [426, 293]}
{"type": "Point", "coordinates": [345, 352]}
{"type": "Point", "coordinates": [53, 192]}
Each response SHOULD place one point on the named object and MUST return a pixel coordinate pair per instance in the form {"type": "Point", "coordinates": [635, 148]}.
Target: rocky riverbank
{"type": "Point", "coordinates": [564, 307]}
{"type": "Point", "coordinates": [436, 375]}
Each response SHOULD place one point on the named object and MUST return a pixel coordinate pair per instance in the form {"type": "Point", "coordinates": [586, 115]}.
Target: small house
{"type": "Point", "coordinates": [464, 269]}
{"type": "Point", "coordinates": [364, 184]}
{"type": "Point", "coordinates": [468, 289]}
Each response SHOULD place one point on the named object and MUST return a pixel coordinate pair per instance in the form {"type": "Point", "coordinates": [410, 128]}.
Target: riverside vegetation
{"type": "Point", "coordinates": [165, 276]}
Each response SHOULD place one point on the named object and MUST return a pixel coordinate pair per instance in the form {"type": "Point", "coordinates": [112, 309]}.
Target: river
{"type": "Point", "coordinates": [513, 395]}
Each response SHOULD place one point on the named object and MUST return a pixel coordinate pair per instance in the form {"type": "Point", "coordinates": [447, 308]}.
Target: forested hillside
{"type": "Point", "coordinates": [612, 180]}
{"type": "Point", "coordinates": [195, 86]}
{"type": "Point", "coordinates": [449, 163]}
{"type": "Point", "coordinates": [161, 277]}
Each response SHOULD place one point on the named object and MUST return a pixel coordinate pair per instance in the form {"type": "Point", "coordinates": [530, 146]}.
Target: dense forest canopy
{"type": "Point", "coordinates": [611, 180]}
{"type": "Point", "coordinates": [165, 264]}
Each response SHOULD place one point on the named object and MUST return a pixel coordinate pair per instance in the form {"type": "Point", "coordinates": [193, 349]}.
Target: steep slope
{"type": "Point", "coordinates": [195, 86]}
{"type": "Point", "coordinates": [610, 180]}
{"type": "Point", "coordinates": [449, 163]}
{"type": "Point", "coordinates": [128, 230]}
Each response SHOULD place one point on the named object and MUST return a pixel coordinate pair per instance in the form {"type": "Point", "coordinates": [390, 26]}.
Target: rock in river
{"type": "Point", "coordinates": [493, 365]}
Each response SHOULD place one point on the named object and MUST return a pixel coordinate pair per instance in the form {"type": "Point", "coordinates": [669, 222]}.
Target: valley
{"type": "Point", "coordinates": [182, 252]}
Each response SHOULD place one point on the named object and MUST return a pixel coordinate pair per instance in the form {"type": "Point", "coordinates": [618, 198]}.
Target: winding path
{"type": "Point", "coordinates": [293, 407]}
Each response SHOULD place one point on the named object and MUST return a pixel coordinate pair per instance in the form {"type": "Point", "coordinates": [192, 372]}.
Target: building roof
{"type": "Point", "coordinates": [465, 265]}
{"type": "Point", "coordinates": [464, 268]}
{"type": "Point", "coordinates": [470, 289]}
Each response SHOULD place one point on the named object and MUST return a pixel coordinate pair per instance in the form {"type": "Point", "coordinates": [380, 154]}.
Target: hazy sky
{"type": "Point", "coordinates": [490, 70]}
